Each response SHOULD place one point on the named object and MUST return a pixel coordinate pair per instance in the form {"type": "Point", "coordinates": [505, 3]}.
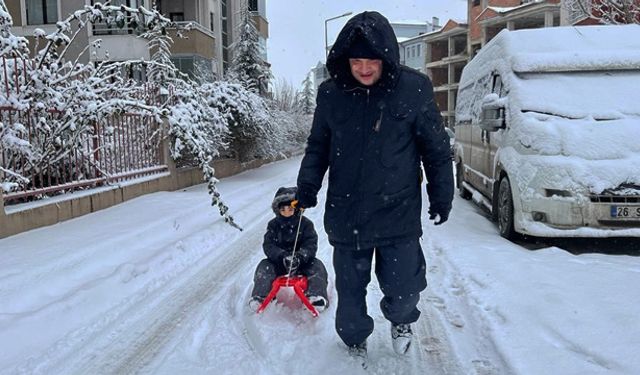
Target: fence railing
{"type": "Point", "coordinates": [116, 148]}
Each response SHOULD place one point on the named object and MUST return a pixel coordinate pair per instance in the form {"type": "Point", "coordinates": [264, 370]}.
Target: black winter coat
{"type": "Point", "coordinates": [372, 139]}
{"type": "Point", "coordinates": [281, 235]}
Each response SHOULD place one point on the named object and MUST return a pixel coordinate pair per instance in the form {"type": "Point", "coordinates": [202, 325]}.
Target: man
{"type": "Point", "coordinates": [374, 123]}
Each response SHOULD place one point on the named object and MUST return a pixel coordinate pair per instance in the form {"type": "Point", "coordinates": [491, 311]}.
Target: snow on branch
{"type": "Point", "coordinates": [247, 65]}
{"type": "Point", "coordinates": [62, 103]}
{"type": "Point", "coordinates": [612, 12]}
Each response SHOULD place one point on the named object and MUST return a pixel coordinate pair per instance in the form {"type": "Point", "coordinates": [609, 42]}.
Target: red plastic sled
{"type": "Point", "coordinates": [299, 285]}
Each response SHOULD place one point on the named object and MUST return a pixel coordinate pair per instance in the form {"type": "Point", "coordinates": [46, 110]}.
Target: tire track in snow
{"type": "Point", "coordinates": [76, 261]}
{"type": "Point", "coordinates": [104, 346]}
{"type": "Point", "coordinates": [195, 291]}
{"type": "Point", "coordinates": [458, 321]}
{"type": "Point", "coordinates": [146, 336]}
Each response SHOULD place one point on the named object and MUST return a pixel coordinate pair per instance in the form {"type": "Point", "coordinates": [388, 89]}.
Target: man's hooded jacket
{"type": "Point", "coordinates": [372, 139]}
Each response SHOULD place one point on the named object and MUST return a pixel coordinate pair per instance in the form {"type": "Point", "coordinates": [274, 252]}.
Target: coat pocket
{"type": "Point", "coordinates": [395, 197]}
{"type": "Point", "coordinates": [394, 135]}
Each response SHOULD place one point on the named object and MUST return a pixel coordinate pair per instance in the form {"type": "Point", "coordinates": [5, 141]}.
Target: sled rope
{"type": "Point", "coordinates": [295, 243]}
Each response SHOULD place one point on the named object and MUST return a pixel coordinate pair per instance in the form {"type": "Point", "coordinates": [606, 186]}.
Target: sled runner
{"type": "Point", "coordinates": [299, 285]}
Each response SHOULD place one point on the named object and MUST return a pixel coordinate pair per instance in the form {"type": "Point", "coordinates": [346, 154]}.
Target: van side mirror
{"type": "Point", "coordinates": [492, 118]}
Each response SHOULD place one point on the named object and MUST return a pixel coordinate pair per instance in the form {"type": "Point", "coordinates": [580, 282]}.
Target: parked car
{"type": "Point", "coordinates": [547, 127]}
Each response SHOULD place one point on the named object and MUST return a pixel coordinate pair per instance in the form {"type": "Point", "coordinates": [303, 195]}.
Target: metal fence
{"type": "Point", "coordinates": [119, 147]}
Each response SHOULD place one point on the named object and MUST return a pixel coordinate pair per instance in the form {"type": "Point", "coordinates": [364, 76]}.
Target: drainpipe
{"type": "Point", "coordinates": [4, 223]}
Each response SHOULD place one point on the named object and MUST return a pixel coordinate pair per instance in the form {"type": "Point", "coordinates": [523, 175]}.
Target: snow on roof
{"type": "Point", "coordinates": [572, 48]}
{"type": "Point", "coordinates": [508, 9]}
{"type": "Point", "coordinates": [502, 9]}
{"type": "Point", "coordinates": [413, 38]}
{"type": "Point", "coordinates": [410, 22]}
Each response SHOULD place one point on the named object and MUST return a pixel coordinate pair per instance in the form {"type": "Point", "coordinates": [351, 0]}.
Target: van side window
{"type": "Point", "coordinates": [497, 85]}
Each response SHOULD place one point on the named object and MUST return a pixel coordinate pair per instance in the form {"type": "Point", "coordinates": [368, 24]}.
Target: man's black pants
{"type": "Point", "coordinates": [401, 272]}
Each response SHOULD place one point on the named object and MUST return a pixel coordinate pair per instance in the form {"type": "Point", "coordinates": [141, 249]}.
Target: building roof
{"type": "Point", "coordinates": [492, 11]}
{"type": "Point", "coordinates": [411, 23]}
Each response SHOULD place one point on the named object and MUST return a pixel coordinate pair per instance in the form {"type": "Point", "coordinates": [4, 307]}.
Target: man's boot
{"type": "Point", "coordinates": [401, 336]}
{"type": "Point", "coordinates": [359, 353]}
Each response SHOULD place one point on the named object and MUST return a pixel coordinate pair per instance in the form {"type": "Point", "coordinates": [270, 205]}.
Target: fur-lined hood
{"type": "Point", "coordinates": [377, 31]}
{"type": "Point", "coordinates": [283, 195]}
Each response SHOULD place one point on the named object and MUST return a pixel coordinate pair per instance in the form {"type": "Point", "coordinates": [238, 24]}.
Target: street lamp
{"type": "Point", "coordinates": [326, 45]}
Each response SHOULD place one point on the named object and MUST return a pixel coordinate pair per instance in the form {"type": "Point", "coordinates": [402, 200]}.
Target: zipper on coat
{"type": "Point", "coordinates": [360, 171]}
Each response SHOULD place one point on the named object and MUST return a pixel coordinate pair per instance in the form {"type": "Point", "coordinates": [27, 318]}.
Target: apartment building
{"type": "Point", "coordinates": [320, 74]}
{"type": "Point", "coordinates": [206, 46]}
{"type": "Point", "coordinates": [487, 17]}
{"type": "Point", "coordinates": [448, 50]}
{"type": "Point", "coordinates": [411, 42]}
{"type": "Point", "coordinates": [446, 56]}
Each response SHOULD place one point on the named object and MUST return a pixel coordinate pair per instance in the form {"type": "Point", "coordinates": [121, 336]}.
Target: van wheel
{"type": "Point", "coordinates": [505, 210]}
{"type": "Point", "coordinates": [464, 193]}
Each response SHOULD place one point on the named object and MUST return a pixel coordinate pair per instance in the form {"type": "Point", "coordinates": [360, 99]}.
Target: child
{"type": "Point", "coordinates": [278, 247]}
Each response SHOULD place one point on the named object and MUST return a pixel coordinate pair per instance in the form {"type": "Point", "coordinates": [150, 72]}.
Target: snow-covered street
{"type": "Point", "coordinates": [159, 285]}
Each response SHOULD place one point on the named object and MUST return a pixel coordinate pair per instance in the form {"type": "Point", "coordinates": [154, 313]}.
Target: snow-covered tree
{"type": "Point", "coordinates": [247, 65]}
{"type": "Point", "coordinates": [199, 129]}
{"type": "Point", "coordinates": [285, 96]}
{"type": "Point", "coordinates": [614, 12]}
{"type": "Point", "coordinates": [203, 72]}
{"type": "Point", "coordinates": [307, 96]}
{"type": "Point", "coordinates": [66, 99]}
{"type": "Point", "coordinates": [60, 99]}
{"type": "Point", "coordinates": [10, 45]}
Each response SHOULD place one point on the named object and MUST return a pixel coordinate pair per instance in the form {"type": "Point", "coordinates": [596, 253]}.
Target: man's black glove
{"type": "Point", "coordinates": [291, 263]}
{"type": "Point", "coordinates": [305, 198]}
{"type": "Point", "coordinates": [442, 212]}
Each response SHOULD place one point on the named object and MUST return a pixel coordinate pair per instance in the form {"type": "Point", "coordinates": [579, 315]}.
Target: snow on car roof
{"type": "Point", "coordinates": [572, 48]}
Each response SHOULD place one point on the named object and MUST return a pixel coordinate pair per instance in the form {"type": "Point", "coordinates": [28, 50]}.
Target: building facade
{"type": "Point", "coordinates": [206, 48]}
{"type": "Point", "coordinates": [487, 17]}
{"type": "Point", "coordinates": [446, 56]}
{"type": "Point", "coordinates": [411, 41]}
{"type": "Point", "coordinates": [448, 50]}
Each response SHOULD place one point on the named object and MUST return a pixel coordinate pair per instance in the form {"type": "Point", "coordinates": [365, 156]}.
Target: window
{"type": "Point", "coordinates": [418, 50]}
{"type": "Point", "coordinates": [102, 28]}
{"type": "Point", "coordinates": [40, 12]}
{"type": "Point", "coordinates": [497, 85]}
{"type": "Point", "coordinates": [211, 21]}
{"type": "Point", "coordinates": [184, 64]}
{"type": "Point", "coordinates": [176, 17]}
{"type": "Point", "coordinates": [253, 5]}
{"type": "Point", "coordinates": [225, 35]}
{"type": "Point", "coordinates": [476, 2]}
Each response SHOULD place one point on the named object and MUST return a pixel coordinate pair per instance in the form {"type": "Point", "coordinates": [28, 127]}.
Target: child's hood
{"type": "Point", "coordinates": [283, 195]}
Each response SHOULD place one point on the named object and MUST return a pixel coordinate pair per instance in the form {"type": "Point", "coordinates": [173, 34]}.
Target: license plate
{"type": "Point", "coordinates": [624, 212]}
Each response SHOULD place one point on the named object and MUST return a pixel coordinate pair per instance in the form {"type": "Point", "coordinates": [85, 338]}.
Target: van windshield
{"type": "Point", "coordinates": [599, 94]}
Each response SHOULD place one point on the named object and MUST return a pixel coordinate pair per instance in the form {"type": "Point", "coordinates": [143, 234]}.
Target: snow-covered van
{"type": "Point", "coordinates": [548, 131]}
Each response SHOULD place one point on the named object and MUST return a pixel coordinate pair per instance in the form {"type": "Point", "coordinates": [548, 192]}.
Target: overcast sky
{"type": "Point", "coordinates": [296, 28]}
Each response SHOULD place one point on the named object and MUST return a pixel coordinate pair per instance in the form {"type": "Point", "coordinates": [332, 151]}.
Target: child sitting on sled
{"type": "Point", "coordinates": [281, 257]}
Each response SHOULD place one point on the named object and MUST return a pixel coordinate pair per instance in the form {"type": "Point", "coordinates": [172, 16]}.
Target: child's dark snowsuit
{"type": "Point", "coordinates": [278, 243]}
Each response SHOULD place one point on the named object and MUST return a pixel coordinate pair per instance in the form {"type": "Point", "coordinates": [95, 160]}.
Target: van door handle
{"type": "Point", "coordinates": [485, 136]}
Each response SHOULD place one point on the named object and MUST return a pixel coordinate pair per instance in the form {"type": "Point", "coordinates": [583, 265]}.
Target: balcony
{"type": "Point", "coordinates": [199, 41]}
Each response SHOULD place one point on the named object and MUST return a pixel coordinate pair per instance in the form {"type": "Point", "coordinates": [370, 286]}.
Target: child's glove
{"type": "Point", "coordinates": [291, 262]}
{"type": "Point", "coordinates": [294, 204]}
